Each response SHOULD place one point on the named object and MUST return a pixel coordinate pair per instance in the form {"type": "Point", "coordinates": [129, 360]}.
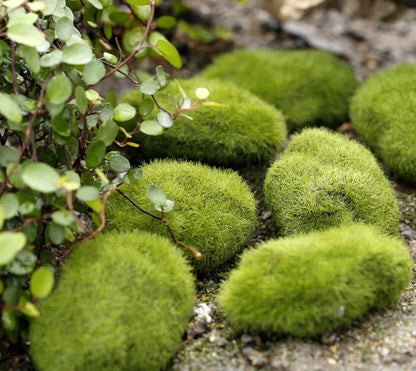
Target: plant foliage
{"type": "Point", "coordinates": [310, 87]}
{"type": "Point", "coordinates": [114, 308]}
{"type": "Point", "coordinates": [324, 180]}
{"type": "Point", "coordinates": [313, 284]}
{"type": "Point", "coordinates": [214, 209]}
{"type": "Point", "coordinates": [383, 114]}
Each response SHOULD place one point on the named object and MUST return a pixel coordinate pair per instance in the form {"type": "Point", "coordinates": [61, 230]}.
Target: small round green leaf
{"type": "Point", "coordinates": [88, 193]}
{"type": "Point", "coordinates": [156, 195]}
{"type": "Point", "coordinates": [96, 4]}
{"type": "Point", "coordinates": [119, 164]}
{"type": "Point", "coordinates": [95, 154]}
{"type": "Point", "coordinates": [151, 127]}
{"type": "Point", "coordinates": [41, 177]}
{"type": "Point", "coordinates": [168, 206]}
{"type": "Point", "coordinates": [9, 109]}
{"type": "Point", "coordinates": [77, 54]}
{"type": "Point", "coordinates": [106, 112]}
{"type": "Point", "coordinates": [41, 283]}
{"type": "Point", "coordinates": [25, 34]}
{"type": "Point", "coordinates": [166, 22]}
{"type": "Point", "coordinates": [132, 176]}
{"type": "Point", "coordinates": [31, 58]}
{"type": "Point", "coordinates": [124, 112]}
{"type": "Point", "coordinates": [81, 100]}
{"type": "Point", "coordinates": [165, 119]}
{"type": "Point", "coordinates": [108, 132]}
{"type": "Point", "coordinates": [93, 72]}
{"type": "Point", "coordinates": [149, 87]}
{"type": "Point", "coordinates": [8, 155]}
{"type": "Point", "coordinates": [146, 107]}
{"type": "Point", "coordinates": [51, 59]}
{"type": "Point", "coordinates": [56, 233]}
{"type": "Point", "coordinates": [10, 244]}
{"type": "Point", "coordinates": [62, 217]}
{"type": "Point", "coordinates": [170, 53]}
{"type": "Point", "coordinates": [64, 29]}
{"type": "Point", "coordinates": [58, 90]}
{"type": "Point", "coordinates": [9, 204]}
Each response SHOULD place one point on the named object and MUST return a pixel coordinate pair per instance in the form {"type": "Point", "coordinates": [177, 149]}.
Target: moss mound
{"type": "Point", "coordinates": [246, 130]}
{"type": "Point", "coordinates": [324, 180]}
{"type": "Point", "coordinates": [310, 87]}
{"type": "Point", "coordinates": [308, 285]}
{"type": "Point", "coordinates": [214, 209]}
{"type": "Point", "coordinates": [383, 112]}
{"type": "Point", "coordinates": [122, 303]}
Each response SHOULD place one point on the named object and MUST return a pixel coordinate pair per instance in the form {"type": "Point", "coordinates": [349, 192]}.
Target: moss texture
{"type": "Point", "coordinates": [309, 285]}
{"type": "Point", "coordinates": [383, 112]}
{"type": "Point", "coordinates": [214, 209]}
{"type": "Point", "coordinates": [324, 180]}
{"type": "Point", "coordinates": [310, 87]}
{"type": "Point", "coordinates": [122, 303]}
{"type": "Point", "coordinates": [246, 130]}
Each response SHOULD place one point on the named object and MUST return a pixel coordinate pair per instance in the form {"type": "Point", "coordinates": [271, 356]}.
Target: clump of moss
{"type": "Point", "coordinates": [244, 130]}
{"type": "Point", "coordinates": [308, 285]}
{"type": "Point", "coordinates": [122, 303]}
{"type": "Point", "coordinates": [310, 87]}
{"type": "Point", "coordinates": [324, 180]}
{"type": "Point", "coordinates": [214, 209]}
{"type": "Point", "coordinates": [383, 112]}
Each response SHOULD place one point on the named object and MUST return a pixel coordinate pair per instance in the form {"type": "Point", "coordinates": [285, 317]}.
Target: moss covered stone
{"type": "Point", "coordinates": [383, 112]}
{"type": "Point", "coordinates": [214, 209]}
{"type": "Point", "coordinates": [122, 303]}
{"type": "Point", "coordinates": [312, 284]}
{"type": "Point", "coordinates": [245, 130]}
{"type": "Point", "coordinates": [310, 87]}
{"type": "Point", "coordinates": [324, 180]}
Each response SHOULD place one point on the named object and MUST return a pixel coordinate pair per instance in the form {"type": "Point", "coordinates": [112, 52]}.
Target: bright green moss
{"type": "Point", "coordinates": [310, 87]}
{"type": "Point", "coordinates": [308, 285]}
{"type": "Point", "coordinates": [214, 209]}
{"type": "Point", "coordinates": [246, 130]}
{"type": "Point", "coordinates": [383, 112]}
{"type": "Point", "coordinates": [324, 180]}
{"type": "Point", "coordinates": [122, 303]}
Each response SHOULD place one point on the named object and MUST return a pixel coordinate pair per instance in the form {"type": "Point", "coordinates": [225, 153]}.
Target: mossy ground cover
{"type": "Point", "coordinates": [383, 112]}
{"type": "Point", "coordinates": [323, 180]}
{"type": "Point", "coordinates": [312, 284]}
{"type": "Point", "coordinates": [241, 130]}
{"type": "Point", "coordinates": [122, 303]}
{"type": "Point", "coordinates": [214, 209]}
{"type": "Point", "coordinates": [310, 87]}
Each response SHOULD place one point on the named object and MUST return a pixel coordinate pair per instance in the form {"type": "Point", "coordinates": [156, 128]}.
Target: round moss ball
{"type": "Point", "coordinates": [308, 285]}
{"type": "Point", "coordinates": [310, 87]}
{"type": "Point", "coordinates": [383, 112]}
{"type": "Point", "coordinates": [214, 209]}
{"type": "Point", "coordinates": [322, 180]}
{"type": "Point", "coordinates": [241, 130]}
{"type": "Point", "coordinates": [122, 303]}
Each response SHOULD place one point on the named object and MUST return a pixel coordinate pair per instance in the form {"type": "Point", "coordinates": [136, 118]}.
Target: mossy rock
{"type": "Point", "coordinates": [383, 112]}
{"type": "Point", "coordinates": [244, 130]}
{"type": "Point", "coordinates": [322, 180]}
{"type": "Point", "coordinates": [122, 303]}
{"type": "Point", "coordinates": [306, 286]}
{"type": "Point", "coordinates": [310, 87]}
{"type": "Point", "coordinates": [214, 209]}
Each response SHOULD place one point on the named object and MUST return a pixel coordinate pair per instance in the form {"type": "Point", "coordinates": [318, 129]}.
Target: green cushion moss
{"type": "Point", "coordinates": [246, 130]}
{"type": "Point", "coordinates": [214, 209]}
{"type": "Point", "coordinates": [383, 112]}
{"type": "Point", "coordinates": [323, 180]}
{"type": "Point", "coordinates": [122, 303]}
{"type": "Point", "coordinates": [310, 87]}
{"type": "Point", "coordinates": [308, 285]}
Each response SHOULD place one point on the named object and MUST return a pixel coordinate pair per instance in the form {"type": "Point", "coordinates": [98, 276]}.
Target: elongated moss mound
{"type": "Point", "coordinates": [324, 180]}
{"type": "Point", "coordinates": [244, 130]}
{"type": "Point", "coordinates": [310, 87]}
{"type": "Point", "coordinates": [122, 303]}
{"type": "Point", "coordinates": [308, 285]}
{"type": "Point", "coordinates": [214, 209]}
{"type": "Point", "coordinates": [383, 112]}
